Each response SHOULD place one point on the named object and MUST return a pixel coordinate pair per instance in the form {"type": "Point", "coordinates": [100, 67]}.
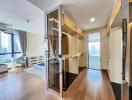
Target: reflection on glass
{"type": "Point", "coordinates": [53, 51]}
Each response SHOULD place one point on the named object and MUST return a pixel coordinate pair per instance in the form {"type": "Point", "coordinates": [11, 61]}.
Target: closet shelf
{"type": "Point", "coordinates": [71, 56]}
{"type": "Point", "coordinates": [55, 29]}
{"type": "Point", "coordinates": [54, 20]}
{"type": "Point", "coordinates": [66, 29]}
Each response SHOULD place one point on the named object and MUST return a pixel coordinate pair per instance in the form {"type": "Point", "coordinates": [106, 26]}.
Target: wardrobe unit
{"type": "Point", "coordinates": [64, 52]}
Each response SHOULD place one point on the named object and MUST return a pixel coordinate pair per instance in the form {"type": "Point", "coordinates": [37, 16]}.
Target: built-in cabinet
{"type": "Point", "coordinates": [64, 52]}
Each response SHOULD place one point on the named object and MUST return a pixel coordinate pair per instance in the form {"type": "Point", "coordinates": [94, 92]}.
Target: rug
{"type": "Point", "coordinates": [37, 70]}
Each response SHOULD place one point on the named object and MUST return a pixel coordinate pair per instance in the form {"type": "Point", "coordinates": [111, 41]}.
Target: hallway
{"type": "Point", "coordinates": [91, 85]}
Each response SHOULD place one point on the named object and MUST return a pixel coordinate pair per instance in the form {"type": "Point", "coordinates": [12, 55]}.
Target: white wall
{"type": "Point", "coordinates": [83, 58]}
{"type": "Point", "coordinates": [35, 45]}
{"type": "Point", "coordinates": [73, 62]}
{"type": "Point", "coordinates": [115, 69]}
{"type": "Point", "coordinates": [76, 46]}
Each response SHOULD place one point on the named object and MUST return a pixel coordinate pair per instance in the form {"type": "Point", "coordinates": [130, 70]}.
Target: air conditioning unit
{"type": "Point", "coordinates": [3, 68]}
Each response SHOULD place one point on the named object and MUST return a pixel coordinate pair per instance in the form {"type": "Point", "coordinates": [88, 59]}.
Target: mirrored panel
{"type": "Point", "coordinates": [53, 51]}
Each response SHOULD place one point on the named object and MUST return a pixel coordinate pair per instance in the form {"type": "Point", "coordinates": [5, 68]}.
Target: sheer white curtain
{"type": "Point", "coordinates": [17, 45]}
{"type": "Point", "coordinates": [23, 41]}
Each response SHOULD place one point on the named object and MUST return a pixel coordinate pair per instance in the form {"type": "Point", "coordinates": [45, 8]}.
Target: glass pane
{"type": "Point", "coordinates": [6, 43]}
{"type": "Point", "coordinates": [94, 50]}
{"type": "Point", "coordinates": [17, 46]}
{"type": "Point", "coordinates": [17, 55]}
{"type": "Point", "coordinates": [53, 46]}
{"type": "Point", "coordinates": [5, 47]}
{"type": "Point", "coordinates": [7, 58]}
{"type": "Point", "coordinates": [2, 60]}
{"type": "Point", "coordinates": [1, 42]}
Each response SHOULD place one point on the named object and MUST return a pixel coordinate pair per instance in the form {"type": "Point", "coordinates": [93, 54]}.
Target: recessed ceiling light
{"type": "Point", "coordinates": [92, 19]}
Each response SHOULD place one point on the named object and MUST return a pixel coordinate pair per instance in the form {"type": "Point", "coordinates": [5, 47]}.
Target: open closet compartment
{"type": "Point", "coordinates": [65, 50]}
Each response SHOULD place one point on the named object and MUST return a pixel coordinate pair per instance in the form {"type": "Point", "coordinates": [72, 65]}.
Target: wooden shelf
{"type": "Point", "coordinates": [55, 29]}
{"type": "Point", "coordinates": [77, 55]}
{"type": "Point", "coordinates": [66, 29]}
{"type": "Point", "coordinates": [54, 20]}
{"type": "Point", "coordinates": [71, 56]}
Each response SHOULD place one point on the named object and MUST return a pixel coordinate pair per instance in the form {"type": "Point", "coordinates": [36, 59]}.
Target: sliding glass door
{"type": "Point", "coordinates": [94, 50]}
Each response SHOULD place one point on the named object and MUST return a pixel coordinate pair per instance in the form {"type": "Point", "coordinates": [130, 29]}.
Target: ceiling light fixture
{"type": "Point", "coordinates": [92, 19]}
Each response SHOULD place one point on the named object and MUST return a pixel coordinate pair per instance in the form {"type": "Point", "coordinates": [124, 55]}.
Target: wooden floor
{"type": "Point", "coordinates": [89, 85]}
{"type": "Point", "coordinates": [125, 91]}
{"type": "Point", "coordinates": [23, 86]}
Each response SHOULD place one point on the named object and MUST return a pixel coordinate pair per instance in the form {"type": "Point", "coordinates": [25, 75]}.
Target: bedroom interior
{"type": "Point", "coordinates": [16, 50]}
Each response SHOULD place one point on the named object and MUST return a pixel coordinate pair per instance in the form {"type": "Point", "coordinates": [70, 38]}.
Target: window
{"type": "Point", "coordinates": [9, 47]}
{"type": "Point", "coordinates": [94, 50]}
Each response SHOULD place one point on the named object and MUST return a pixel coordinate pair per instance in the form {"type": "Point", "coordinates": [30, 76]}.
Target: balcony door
{"type": "Point", "coordinates": [94, 51]}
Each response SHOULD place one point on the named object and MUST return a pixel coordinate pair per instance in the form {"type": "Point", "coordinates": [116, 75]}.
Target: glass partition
{"type": "Point", "coordinates": [54, 51]}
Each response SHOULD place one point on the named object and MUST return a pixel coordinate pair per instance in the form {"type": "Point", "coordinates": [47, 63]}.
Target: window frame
{"type": "Point", "coordinates": [12, 46]}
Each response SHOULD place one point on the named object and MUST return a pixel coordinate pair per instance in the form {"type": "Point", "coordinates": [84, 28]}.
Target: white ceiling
{"type": "Point", "coordinates": [82, 10]}
{"type": "Point", "coordinates": [45, 5]}
{"type": "Point", "coordinates": [16, 12]}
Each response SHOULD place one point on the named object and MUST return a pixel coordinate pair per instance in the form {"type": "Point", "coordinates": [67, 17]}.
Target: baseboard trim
{"type": "Point", "coordinates": [117, 90]}
{"type": "Point", "coordinates": [130, 92]}
{"type": "Point", "coordinates": [82, 68]}
{"type": "Point", "coordinates": [70, 77]}
{"type": "Point", "coordinates": [3, 72]}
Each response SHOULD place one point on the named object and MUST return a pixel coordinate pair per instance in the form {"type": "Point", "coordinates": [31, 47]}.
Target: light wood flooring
{"type": "Point", "coordinates": [89, 85]}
